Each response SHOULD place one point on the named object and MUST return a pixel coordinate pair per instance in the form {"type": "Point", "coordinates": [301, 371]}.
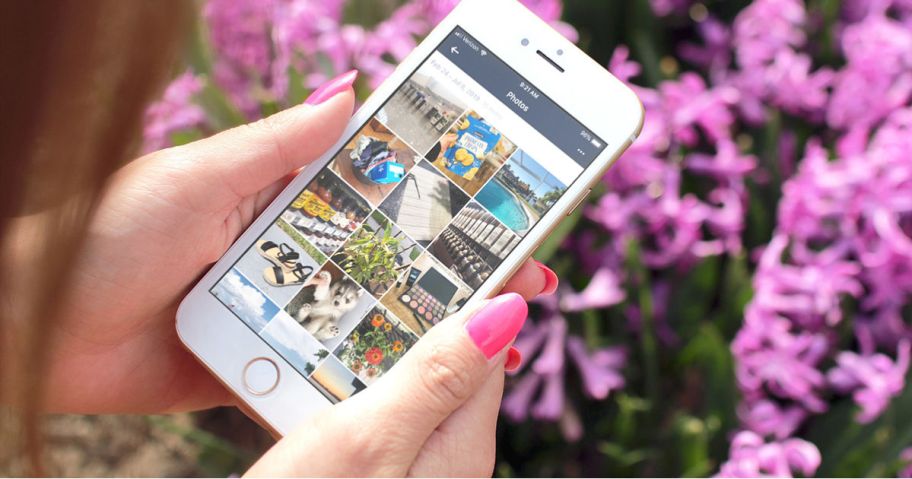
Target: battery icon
{"type": "Point", "coordinates": [596, 143]}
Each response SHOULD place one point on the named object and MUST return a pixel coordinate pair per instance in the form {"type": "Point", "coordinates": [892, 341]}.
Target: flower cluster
{"type": "Point", "coordinates": [262, 49]}
{"type": "Point", "coordinates": [539, 391]}
{"type": "Point", "coordinates": [842, 236]}
{"type": "Point", "coordinates": [175, 112]}
{"type": "Point", "coordinates": [843, 228]}
{"type": "Point", "coordinates": [843, 232]}
{"type": "Point", "coordinates": [375, 346]}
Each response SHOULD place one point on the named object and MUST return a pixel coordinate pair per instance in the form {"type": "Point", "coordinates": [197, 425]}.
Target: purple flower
{"type": "Point", "coordinates": [715, 53]}
{"type": "Point", "coordinates": [751, 456]}
{"type": "Point", "coordinates": [600, 370]}
{"type": "Point", "coordinates": [875, 379]}
{"type": "Point", "coordinates": [539, 391]}
{"type": "Point", "coordinates": [877, 78]}
{"type": "Point", "coordinates": [549, 11]}
{"type": "Point", "coordinates": [906, 457]}
{"type": "Point", "coordinates": [767, 27]}
{"type": "Point", "coordinates": [767, 418]}
{"type": "Point", "coordinates": [175, 112]}
{"type": "Point", "coordinates": [603, 291]}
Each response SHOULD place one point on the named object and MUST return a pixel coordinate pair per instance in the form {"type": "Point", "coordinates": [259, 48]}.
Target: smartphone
{"type": "Point", "coordinates": [445, 181]}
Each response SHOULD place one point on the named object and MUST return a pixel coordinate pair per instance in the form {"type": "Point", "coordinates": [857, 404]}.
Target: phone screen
{"type": "Point", "coordinates": [409, 219]}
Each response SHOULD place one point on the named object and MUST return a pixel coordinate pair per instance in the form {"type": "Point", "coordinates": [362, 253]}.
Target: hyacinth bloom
{"type": "Point", "coordinates": [751, 456]}
{"type": "Point", "coordinates": [174, 113]}
{"type": "Point", "coordinates": [538, 391]}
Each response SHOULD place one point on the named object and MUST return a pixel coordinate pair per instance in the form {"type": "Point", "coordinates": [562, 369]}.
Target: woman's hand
{"type": "Point", "coordinates": [162, 222]}
{"type": "Point", "coordinates": [434, 414]}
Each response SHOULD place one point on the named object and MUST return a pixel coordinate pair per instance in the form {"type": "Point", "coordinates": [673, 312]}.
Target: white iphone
{"type": "Point", "coordinates": [445, 181]}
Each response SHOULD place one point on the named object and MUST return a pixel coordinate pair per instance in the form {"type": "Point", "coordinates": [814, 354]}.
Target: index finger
{"type": "Point", "coordinates": [531, 280]}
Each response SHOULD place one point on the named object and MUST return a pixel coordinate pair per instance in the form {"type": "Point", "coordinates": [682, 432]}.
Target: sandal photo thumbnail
{"type": "Point", "coordinates": [280, 255]}
{"type": "Point", "coordinates": [279, 276]}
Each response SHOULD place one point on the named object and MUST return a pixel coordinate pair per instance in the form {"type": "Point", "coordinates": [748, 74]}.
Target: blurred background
{"type": "Point", "coordinates": [735, 295]}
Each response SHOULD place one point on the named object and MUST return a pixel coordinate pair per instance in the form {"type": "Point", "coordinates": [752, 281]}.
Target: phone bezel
{"type": "Point", "coordinates": [608, 108]}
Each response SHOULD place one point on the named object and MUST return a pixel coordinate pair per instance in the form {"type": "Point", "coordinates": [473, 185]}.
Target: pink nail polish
{"type": "Point", "coordinates": [332, 88]}
{"type": "Point", "coordinates": [514, 360]}
{"type": "Point", "coordinates": [497, 323]}
{"type": "Point", "coordinates": [551, 281]}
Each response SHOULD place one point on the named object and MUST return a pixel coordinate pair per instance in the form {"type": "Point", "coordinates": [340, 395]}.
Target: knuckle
{"type": "Point", "coordinates": [447, 374]}
{"type": "Point", "coordinates": [267, 127]}
{"type": "Point", "coordinates": [270, 130]}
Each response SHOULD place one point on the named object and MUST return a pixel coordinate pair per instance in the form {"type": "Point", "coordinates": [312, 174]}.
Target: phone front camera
{"type": "Point", "coordinates": [525, 42]}
{"type": "Point", "coordinates": [560, 52]}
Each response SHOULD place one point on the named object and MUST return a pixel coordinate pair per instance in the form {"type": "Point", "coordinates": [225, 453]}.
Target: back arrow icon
{"type": "Point", "coordinates": [454, 50]}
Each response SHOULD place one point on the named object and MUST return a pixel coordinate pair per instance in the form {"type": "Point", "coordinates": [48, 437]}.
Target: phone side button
{"type": "Point", "coordinates": [261, 376]}
{"type": "Point", "coordinates": [580, 201]}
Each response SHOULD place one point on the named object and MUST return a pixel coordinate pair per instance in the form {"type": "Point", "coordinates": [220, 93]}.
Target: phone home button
{"type": "Point", "coordinates": [261, 376]}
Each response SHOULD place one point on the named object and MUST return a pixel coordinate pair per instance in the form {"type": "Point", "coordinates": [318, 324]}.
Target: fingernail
{"type": "Point", "coordinates": [497, 323]}
{"type": "Point", "coordinates": [332, 88]}
{"type": "Point", "coordinates": [551, 281]}
{"type": "Point", "coordinates": [514, 360]}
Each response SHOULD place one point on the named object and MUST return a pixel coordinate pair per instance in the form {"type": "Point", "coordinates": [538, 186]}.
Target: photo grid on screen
{"type": "Point", "coordinates": [415, 212]}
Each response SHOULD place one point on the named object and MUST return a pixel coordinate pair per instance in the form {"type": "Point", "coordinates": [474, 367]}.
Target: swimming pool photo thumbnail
{"type": "Point", "coordinates": [521, 193]}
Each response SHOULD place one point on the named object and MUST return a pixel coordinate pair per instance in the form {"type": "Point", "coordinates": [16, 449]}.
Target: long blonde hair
{"type": "Point", "coordinates": [75, 79]}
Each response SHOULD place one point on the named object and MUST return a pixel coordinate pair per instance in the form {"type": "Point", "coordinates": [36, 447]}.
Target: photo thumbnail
{"type": "Point", "coordinates": [243, 299]}
{"type": "Point", "coordinates": [327, 212]}
{"type": "Point", "coordinates": [471, 152]}
{"type": "Point", "coordinates": [521, 193]}
{"type": "Point", "coordinates": [294, 344]}
{"type": "Point", "coordinates": [422, 109]}
{"type": "Point", "coordinates": [335, 381]}
{"type": "Point", "coordinates": [474, 245]}
{"type": "Point", "coordinates": [377, 254]}
{"type": "Point", "coordinates": [375, 345]}
{"type": "Point", "coordinates": [374, 162]}
{"type": "Point", "coordinates": [329, 305]}
{"type": "Point", "coordinates": [425, 295]}
{"type": "Point", "coordinates": [424, 203]}
{"type": "Point", "coordinates": [277, 265]}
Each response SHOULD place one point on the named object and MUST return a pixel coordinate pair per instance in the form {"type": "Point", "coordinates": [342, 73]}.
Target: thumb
{"type": "Point", "coordinates": [247, 159]}
{"type": "Point", "coordinates": [447, 366]}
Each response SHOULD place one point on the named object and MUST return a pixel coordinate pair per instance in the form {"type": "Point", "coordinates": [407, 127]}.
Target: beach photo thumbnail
{"type": "Point", "coordinates": [294, 344]}
{"type": "Point", "coordinates": [471, 152]}
{"type": "Point", "coordinates": [375, 345]}
{"type": "Point", "coordinates": [377, 254]}
{"type": "Point", "coordinates": [327, 212]}
{"type": "Point", "coordinates": [422, 109]}
{"type": "Point", "coordinates": [374, 161]}
{"type": "Point", "coordinates": [425, 295]}
{"type": "Point", "coordinates": [521, 193]}
{"type": "Point", "coordinates": [335, 381]}
{"type": "Point", "coordinates": [474, 245]}
{"type": "Point", "coordinates": [243, 299]}
{"type": "Point", "coordinates": [330, 305]}
{"type": "Point", "coordinates": [424, 203]}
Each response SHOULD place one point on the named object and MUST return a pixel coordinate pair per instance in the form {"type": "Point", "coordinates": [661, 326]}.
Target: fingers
{"type": "Point", "coordinates": [532, 279]}
{"type": "Point", "coordinates": [469, 432]}
{"type": "Point", "coordinates": [243, 161]}
{"type": "Point", "coordinates": [447, 366]}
